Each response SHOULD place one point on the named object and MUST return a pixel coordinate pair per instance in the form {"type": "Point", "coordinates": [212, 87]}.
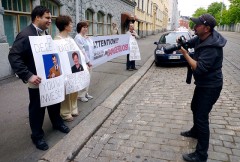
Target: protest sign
{"type": "Point", "coordinates": [76, 74]}
{"type": "Point", "coordinates": [48, 66]}
{"type": "Point", "coordinates": [134, 53]}
{"type": "Point", "coordinates": [109, 47]}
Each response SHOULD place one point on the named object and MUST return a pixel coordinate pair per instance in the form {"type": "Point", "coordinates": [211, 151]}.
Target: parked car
{"type": "Point", "coordinates": [175, 57]}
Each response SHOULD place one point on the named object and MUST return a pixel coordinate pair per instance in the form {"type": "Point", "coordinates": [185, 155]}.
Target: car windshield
{"type": "Point", "coordinates": [170, 38]}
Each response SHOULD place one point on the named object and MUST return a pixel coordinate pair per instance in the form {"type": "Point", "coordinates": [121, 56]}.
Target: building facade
{"type": "Point", "coordinates": [151, 16]}
{"type": "Point", "coordinates": [15, 15]}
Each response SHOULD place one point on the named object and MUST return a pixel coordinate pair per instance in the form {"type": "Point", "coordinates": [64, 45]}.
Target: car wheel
{"type": "Point", "coordinates": [157, 64]}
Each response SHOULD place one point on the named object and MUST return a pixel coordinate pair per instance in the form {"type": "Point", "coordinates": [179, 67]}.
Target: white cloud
{"type": "Point", "coordinates": [188, 7]}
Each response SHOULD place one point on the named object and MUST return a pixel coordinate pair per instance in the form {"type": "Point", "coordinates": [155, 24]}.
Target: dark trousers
{"type": "Point", "coordinates": [202, 102]}
{"type": "Point", "coordinates": [37, 113]}
{"type": "Point", "coordinates": [130, 64]}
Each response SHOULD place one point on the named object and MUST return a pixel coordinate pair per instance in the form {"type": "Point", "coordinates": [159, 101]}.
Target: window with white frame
{"type": "Point", "coordinates": [100, 23]}
{"type": "Point", "coordinates": [89, 18]}
{"type": "Point", "coordinates": [109, 24]}
{"type": "Point", "coordinates": [17, 15]}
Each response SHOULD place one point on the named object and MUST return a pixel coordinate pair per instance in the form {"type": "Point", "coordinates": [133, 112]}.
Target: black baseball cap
{"type": "Point", "coordinates": [205, 19]}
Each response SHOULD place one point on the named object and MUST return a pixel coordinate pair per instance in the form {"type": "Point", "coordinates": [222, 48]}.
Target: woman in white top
{"type": "Point", "coordinates": [86, 45]}
{"type": "Point", "coordinates": [69, 108]}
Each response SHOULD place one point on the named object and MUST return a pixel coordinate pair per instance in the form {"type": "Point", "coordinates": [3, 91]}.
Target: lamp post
{"type": "Point", "coordinates": [221, 12]}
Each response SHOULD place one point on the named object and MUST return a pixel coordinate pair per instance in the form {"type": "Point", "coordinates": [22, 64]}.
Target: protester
{"type": "Point", "coordinates": [69, 108]}
{"type": "Point", "coordinates": [55, 71]}
{"type": "Point", "coordinates": [206, 66]}
{"type": "Point", "coordinates": [131, 64]}
{"type": "Point", "coordinates": [85, 44]}
{"type": "Point", "coordinates": [22, 62]}
{"type": "Point", "coordinates": [114, 30]}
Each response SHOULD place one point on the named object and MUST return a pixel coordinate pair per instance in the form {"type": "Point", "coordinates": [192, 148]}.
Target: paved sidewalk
{"type": "Point", "coordinates": [145, 126]}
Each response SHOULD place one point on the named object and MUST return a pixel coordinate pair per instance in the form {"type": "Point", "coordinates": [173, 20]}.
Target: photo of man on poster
{"type": "Point", "coordinates": [55, 70]}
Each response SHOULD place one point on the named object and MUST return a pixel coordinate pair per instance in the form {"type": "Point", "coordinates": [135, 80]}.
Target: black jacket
{"type": "Point", "coordinates": [20, 55]}
{"type": "Point", "coordinates": [75, 69]}
{"type": "Point", "coordinates": [209, 57]}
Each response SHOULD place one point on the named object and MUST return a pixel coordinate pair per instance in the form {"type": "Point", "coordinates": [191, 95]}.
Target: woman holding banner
{"type": "Point", "coordinates": [69, 107]}
{"type": "Point", "coordinates": [131, 64]}
{"type": "Point", "coordinates": [86, 45]}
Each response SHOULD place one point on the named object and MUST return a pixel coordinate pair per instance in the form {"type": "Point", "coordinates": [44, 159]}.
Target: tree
{"type": "Point", "coordinates": [234, 11]}
{"type": "Point", "coordinates": [215, 8]}
{"type": "Point", "coordinates": [197, 13]}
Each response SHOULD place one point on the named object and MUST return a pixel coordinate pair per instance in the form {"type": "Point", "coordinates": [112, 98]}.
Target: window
{"type": "Point", "coordinates": [100, 21]}
{"type": "Point", "coordinates": [89, 18]}
{"type": "Point", "coordinates": [138, 3]}
{"type": "Point", "coordinates": [109, 23]}
{"type": "Point", "coordinates": [16, 17]}
{"type": "Point", "coordinates": [54, 9]}
{"type": "Point", "coordinates": [143, 5]}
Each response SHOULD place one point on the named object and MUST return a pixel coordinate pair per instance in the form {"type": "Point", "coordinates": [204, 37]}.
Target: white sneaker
{"type": "Point", "coordinates": [89, 96]}
{"type": "Point", "coordinates": [83, 99]}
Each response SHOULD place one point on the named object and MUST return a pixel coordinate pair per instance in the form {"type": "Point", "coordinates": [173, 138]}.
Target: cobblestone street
{"type": "Point", "coordinates": [146, 125]}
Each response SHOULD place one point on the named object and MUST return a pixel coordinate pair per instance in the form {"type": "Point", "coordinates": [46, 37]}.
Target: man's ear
{"type": "Point", "coordinates": [208, 28]}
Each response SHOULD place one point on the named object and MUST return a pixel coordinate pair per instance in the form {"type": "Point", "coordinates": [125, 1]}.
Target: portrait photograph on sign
{"type": "Point", "coordinates": [52, 65]}
{"type": "Point", "coordinates": [75, 61]}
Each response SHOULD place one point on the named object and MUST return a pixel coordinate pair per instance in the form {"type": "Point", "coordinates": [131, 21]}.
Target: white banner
{"type": "Point", "coordinates": [48, 66]}
{"type": "Point", "coordinates": [109, 47]}
{"type": "Point", "coordinates": [76, 74]}
{"type": "Point", "coordinates": [134, 49]}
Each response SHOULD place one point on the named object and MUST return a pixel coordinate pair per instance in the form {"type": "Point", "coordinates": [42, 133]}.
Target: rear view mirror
{"type": "Point", "coordinates": [155, 43]}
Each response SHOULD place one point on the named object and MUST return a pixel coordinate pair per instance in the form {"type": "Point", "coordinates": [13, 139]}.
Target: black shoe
{"type": "Point", "coordinates": [135, 68]}
{"type": "Point", "coordinates": [192, 157]}
{"type": "Point", "coordinates": [130, 69]}
{"type": "Point", "coordinates": [188, 134]}
{"type": "Point", "coordinates": [62, 128]}
{"type": "Point", "coordinates": [41, 144]}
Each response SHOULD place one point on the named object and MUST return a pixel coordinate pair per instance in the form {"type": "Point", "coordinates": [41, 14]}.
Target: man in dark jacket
{"type": "Point", "coordinates": [22, 62]}
{"type": "Point", "coordinates": [206, 66]}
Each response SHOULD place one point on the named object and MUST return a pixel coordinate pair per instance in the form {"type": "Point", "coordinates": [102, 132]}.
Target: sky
{"type": "Point", "coordinates": [188, 7]}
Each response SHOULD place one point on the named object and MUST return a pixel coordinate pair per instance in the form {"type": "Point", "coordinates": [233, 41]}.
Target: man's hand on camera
{"type": "Point", "coordinates": [183, 51]}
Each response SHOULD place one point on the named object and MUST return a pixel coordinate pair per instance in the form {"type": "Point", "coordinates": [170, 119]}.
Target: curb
{"type": "Point", "coordinates": [68, 147]}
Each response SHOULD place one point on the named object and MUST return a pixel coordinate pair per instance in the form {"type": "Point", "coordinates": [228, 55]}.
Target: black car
{"type": "Point", "coordinates": [175, 57]}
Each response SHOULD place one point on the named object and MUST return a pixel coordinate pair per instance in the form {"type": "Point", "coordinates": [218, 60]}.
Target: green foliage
{"type": "Point", "coordinates": [197, 13]}
{"type": "Point", "coordinates": [230, 16]}
{"type": "Point", "coordinates": [215, 8]}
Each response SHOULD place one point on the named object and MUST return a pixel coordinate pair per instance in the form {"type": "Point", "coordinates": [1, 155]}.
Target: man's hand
{"type": "Point", "coordinates": [53, 75]}
{"type": "Point", "coordinates": [34, 79]}
{"type": "Point", "coordinates": [183, 51]}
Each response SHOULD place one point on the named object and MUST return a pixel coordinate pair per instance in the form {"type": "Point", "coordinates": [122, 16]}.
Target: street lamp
{"type": "Point", "coordinates": [221, 12]}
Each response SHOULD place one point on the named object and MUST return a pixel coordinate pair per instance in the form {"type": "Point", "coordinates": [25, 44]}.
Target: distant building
{"type": "Point", "coordinates": [151, 16]}
{"type": "Point", "coordinates": [173, 15]}
{"type": "Point", "coordinates": [184, 22]}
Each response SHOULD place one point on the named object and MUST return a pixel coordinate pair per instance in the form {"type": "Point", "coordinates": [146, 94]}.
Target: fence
{"type": "Point", "coordinates": [232, 27]}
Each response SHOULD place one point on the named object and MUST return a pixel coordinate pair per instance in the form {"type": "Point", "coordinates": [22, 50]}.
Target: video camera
{"type": "Point", "coordinates": [182, 41]}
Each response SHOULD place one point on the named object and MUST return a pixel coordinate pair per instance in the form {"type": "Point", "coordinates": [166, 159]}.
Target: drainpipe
{"type": "Point", "coordinates": [77, 11]}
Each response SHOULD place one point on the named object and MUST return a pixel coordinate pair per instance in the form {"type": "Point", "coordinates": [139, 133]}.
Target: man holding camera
{"type": "Point", "coordinates": [206, 67]}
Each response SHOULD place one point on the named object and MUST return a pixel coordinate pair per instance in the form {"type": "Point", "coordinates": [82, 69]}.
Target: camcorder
{"type": "Point", "coordinates": [182, 42]}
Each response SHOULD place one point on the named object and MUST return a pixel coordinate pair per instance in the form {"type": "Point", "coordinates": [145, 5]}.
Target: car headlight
{"type": "Point", "coordinates": [160, 51]}
{"type": "Point", "coordinates": [190, 49]}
